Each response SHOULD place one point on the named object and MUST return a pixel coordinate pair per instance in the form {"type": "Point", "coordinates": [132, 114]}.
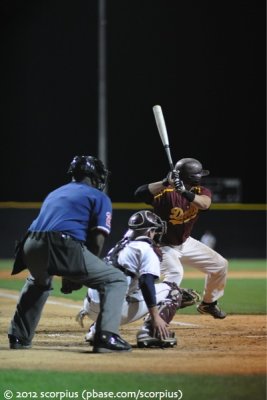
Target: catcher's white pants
{"type": "Point", "coordinates": [196, 254]}
{"type": "Point", "coordinates": [133, 308]}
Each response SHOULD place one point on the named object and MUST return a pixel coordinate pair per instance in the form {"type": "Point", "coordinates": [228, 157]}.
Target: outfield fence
{"type": "Point", "coordinates": [239, 229]}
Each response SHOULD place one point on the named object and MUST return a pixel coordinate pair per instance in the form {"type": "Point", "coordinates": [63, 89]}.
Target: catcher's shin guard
{"type": "Point", "coordinates": [168, 307]}
{"type": "Point", "coordinates": [167, 310]}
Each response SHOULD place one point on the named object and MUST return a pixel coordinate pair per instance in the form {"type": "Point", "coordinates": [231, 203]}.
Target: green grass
{"type": "Point", "coordinates": [17, 283]}
{"type": "Point", "coordinates": [6, 263]}
{"type": "Point", "coordinates": [72, 384]}
{"type": "Point", "coordinates": [247, 265]}
{"type": "Point", "coordinates": [234, 264]}
{"type": "Point", "coordinates": [242, 296]}
{"type": "Point", "coordinates": [243, 265]}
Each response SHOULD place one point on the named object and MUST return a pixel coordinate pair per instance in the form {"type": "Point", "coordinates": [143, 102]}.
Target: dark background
{"type": "Point", "coordinates": [202, 61]}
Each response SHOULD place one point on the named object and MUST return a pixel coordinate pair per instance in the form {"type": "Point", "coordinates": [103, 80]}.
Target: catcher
{"type": "Point", "coordinates": [138, 256]}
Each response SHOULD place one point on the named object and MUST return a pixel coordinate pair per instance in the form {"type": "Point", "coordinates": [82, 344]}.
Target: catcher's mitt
{"type": "Point", "coordinates": [68, 286]}
{"type": "Point", "coordinates": [189, 297]}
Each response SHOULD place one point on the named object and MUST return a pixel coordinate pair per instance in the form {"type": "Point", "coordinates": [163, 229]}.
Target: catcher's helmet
{"type": "Point", "coordinates": [82, 166]}
{"type": "Point", "coordinates": [191, 170]}
{"type": "Point", "coordinates": [143, 221]}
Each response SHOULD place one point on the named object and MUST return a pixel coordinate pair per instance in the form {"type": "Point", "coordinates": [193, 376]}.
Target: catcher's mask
{"type": "Point", "coordinates": [191, 170]}
{"type": "Point", "coordinates": [90, 166]}
{"type": "Point", "coordinates": [142, 222]}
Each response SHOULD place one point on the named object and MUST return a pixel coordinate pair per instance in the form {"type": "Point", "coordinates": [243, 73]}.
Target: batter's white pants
{"type": "Point", "coordinates": [196, 254]}
{"type": "Point", "coordinates": [133, 308]}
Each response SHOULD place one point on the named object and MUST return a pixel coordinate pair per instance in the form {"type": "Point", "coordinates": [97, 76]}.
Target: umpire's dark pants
{"type": "Point", "coordinates": [109, 281]}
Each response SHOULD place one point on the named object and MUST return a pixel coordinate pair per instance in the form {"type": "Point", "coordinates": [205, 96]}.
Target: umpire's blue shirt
{"type": "Point", "coordinates": [74, 209]}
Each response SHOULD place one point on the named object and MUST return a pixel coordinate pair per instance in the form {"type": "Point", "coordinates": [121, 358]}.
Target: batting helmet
{"type": "Point", "coordinates": [191, 170]}
{"type": "Point", "coordinates": [143, 221]}
{"type": "Point", "coordinates": [90, 166]}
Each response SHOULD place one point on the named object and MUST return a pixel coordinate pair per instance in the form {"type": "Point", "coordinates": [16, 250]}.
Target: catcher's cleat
{"type": "Point", "coordinates": [18, 344]}
{"type": "Point", "coordinates": [211, 309]}
{"type": "Point", "coordinates": [189, 297]}
{"type": "Point", "coordinates": [90, 335]}
{"type": "Point", "coordinates": [144, 340]}
{"type": "Point", "coordinates": [108, 342]}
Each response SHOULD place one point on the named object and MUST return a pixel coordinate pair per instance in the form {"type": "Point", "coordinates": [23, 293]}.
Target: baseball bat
{"type": "Point", "coordinates": [163, 133]}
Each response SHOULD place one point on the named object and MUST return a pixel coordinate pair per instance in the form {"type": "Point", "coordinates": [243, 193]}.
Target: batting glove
{"type": "Point", "coordinates": [168, 180]}
{"type": "Point", "coordinates": [177, 182]}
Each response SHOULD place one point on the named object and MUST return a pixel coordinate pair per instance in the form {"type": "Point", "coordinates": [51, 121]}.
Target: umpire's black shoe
{"type": "Point", "coordinates": [108, 342]}
{"type": "Point", "coordinates": [212, 309]}
{"type": "Point", "coordinates": [17, 344]}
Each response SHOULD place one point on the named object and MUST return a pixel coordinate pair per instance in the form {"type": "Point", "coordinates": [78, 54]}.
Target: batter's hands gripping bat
{"type": "Point", "coordinates": [163, 133]}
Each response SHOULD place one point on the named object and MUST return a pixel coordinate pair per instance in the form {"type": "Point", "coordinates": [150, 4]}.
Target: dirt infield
{"type": "Point", "coordinates": [235, 345]}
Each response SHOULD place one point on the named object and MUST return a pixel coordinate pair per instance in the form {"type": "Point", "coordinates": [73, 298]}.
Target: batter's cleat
{"type": "Point", "coordinates": [90, 335]}
{"type": "Point", "coordinates": [144, 340]}
{"type": "Point", "coordinates": [18, 344]}
{"type": "Point", "coordinates": [108, 342]}
{"type": "Point", "coordinates": [211, 309]}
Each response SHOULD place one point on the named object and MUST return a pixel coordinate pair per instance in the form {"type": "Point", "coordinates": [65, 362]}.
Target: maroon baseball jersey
{"type": "Point", "coordinates": [178, 212]}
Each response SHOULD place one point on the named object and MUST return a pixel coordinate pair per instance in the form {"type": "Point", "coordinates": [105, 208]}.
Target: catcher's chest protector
{"type": "Point", "coordinates": [112, 257]}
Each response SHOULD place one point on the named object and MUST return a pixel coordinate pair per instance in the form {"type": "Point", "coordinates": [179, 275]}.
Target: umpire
{"type": "Point", "coordinates": [66, 239]}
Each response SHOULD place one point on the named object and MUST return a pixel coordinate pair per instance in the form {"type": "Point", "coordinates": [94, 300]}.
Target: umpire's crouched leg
{"type": "Point", "coordinates": [112, 285]}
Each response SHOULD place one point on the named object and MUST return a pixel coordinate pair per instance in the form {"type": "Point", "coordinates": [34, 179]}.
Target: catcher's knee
{"type": "Point", "coordinates": [175, 294]}
{"type": "Point", "coordinates": [176, 299]}
{"type": "Point", "coordinates": [168, 307]}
